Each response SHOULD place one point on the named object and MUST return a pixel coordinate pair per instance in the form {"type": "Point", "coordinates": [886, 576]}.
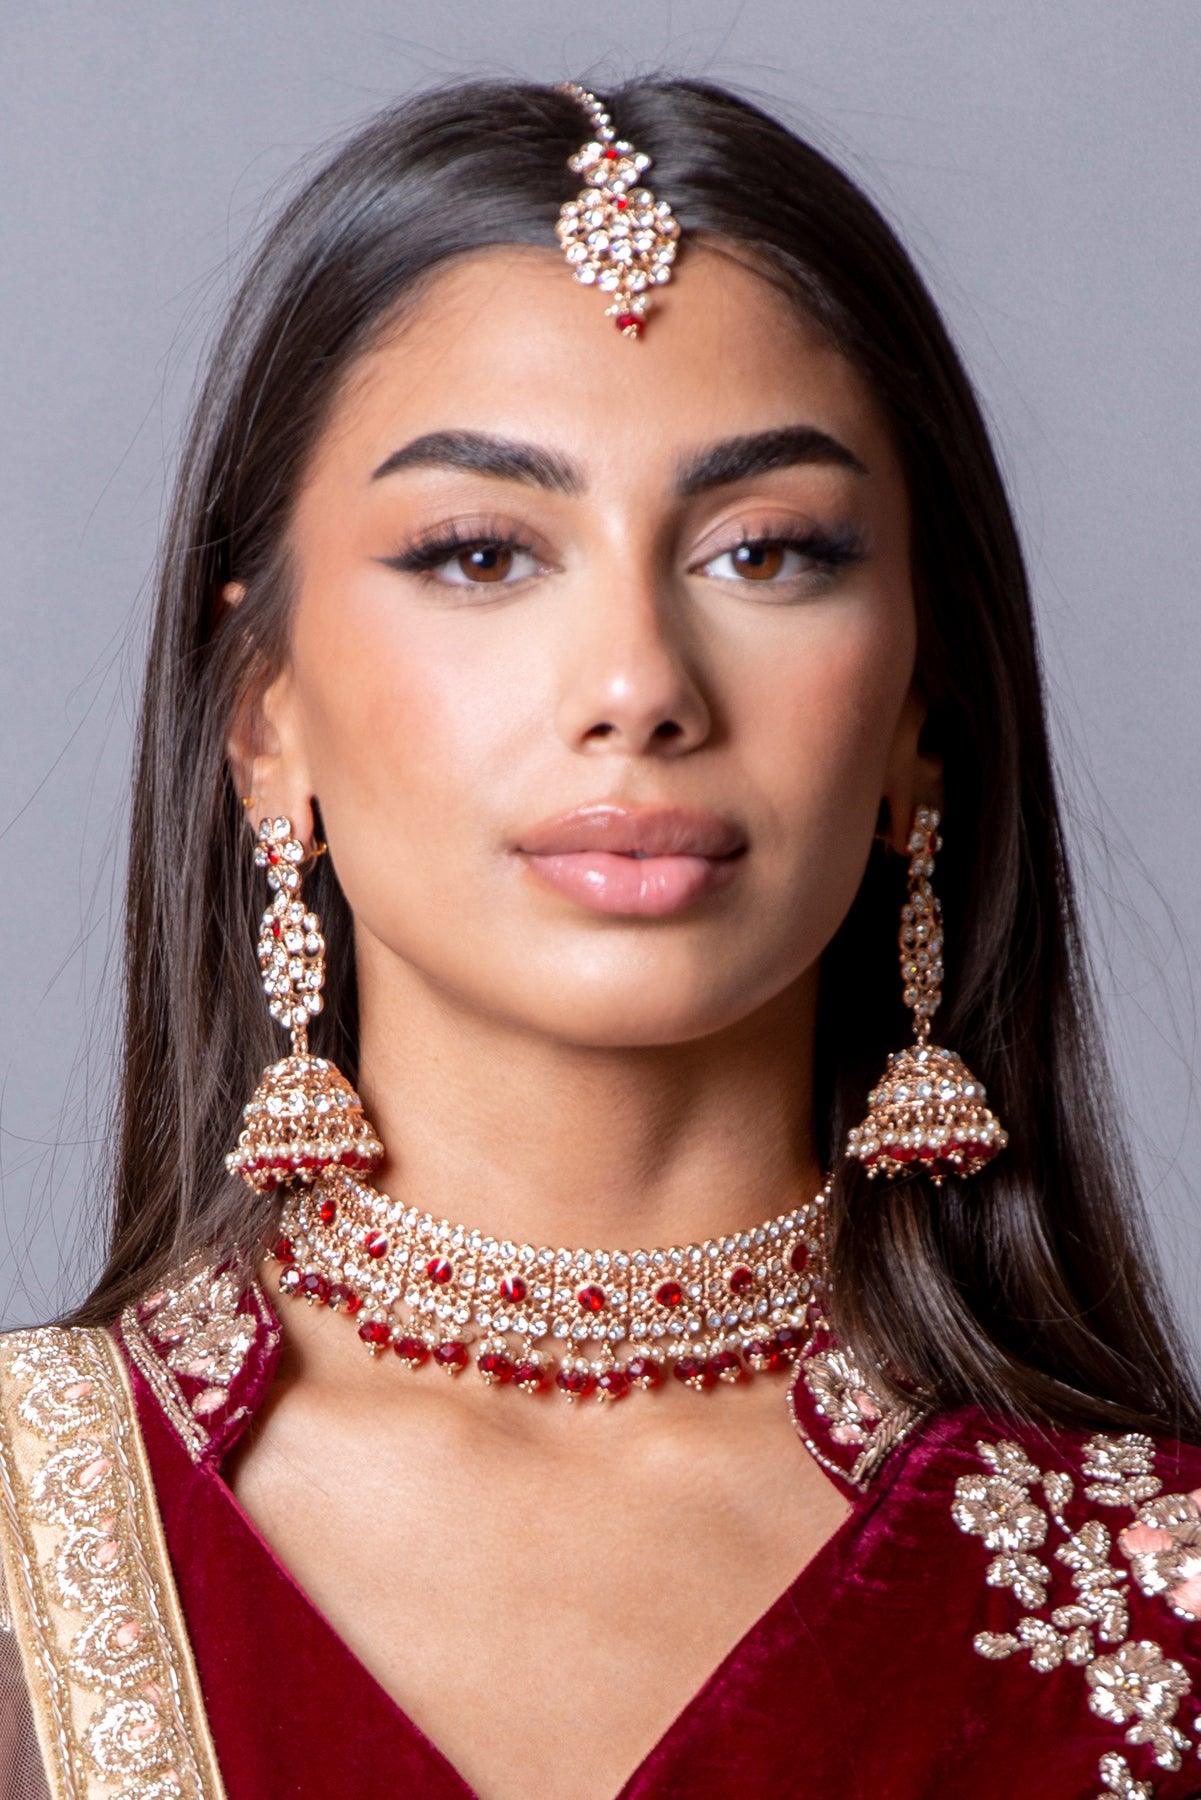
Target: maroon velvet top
{"type": "Point", "coordinates": [865, 1679]}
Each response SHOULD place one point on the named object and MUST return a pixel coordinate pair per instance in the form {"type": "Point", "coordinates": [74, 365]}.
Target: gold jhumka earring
{"type": "Point", "coordinates": [304, 1116]}
{"type": "Point", "coordinates": [928, 1113]}
{"type": "Point", "coordinates": [616, 235]}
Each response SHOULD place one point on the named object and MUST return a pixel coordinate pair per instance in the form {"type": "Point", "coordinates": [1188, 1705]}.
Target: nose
{"type": "Point", "coordinates": [630, 677]}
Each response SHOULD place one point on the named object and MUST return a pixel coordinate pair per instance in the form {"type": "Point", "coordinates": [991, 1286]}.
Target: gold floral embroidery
{"type": "Point", "coordinates": [120, 1715]}
{"type": "Point", "coordinates": [1117, 1779]}
{"type": "Point", "coordinates": [1164, 1547]}
{"type": "Point", "coordinates": [190, 1326]}
{"type": "Point", "coordinates": [1135, 1685]}
{"type": "Point", "coordinates": [855, 1413]}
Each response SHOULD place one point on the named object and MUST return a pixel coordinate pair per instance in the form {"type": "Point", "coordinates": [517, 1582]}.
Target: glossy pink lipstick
{"type": "Point", "coordinates": [618, 859]}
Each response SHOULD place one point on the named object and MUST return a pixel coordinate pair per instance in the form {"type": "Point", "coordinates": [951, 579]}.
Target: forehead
{"type": "Point", "coordinates": [504, 339]}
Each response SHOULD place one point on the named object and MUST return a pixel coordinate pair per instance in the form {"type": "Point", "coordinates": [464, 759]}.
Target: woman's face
{"type": "Point", "coordinates": [608, 634]}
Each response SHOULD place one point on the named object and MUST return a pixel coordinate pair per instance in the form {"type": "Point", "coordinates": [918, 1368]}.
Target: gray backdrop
{"type": "Point", "coordinates": [1041, 163]}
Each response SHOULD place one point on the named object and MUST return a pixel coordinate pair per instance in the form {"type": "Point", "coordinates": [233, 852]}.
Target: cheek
{"type": "Point", "coordinates": [402, 716]}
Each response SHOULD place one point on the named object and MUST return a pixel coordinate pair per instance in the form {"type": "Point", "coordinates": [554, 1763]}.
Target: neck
{"type": "Point", "coordinates": [546, 1140]}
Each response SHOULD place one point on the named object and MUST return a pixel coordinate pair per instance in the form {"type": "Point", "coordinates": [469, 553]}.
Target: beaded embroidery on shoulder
{"type": "Point", "coordinates": [190, 1340]}
{"type": "Point", "coordinates": [1012, 1509]}
{"type": "Point", "coordinates": [854, 1413]}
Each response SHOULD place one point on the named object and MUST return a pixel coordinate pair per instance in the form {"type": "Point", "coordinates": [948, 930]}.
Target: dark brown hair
{"type": "Point", "coordinates": [1028, 1287]}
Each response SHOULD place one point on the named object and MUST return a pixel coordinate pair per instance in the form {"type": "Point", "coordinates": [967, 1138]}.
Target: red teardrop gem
{"type": "Point", "coordinates": [375, 1331]}
{"type": "Point", "coordinates": [575, 1382]}
{"type": "Point", "coordinates": [528, 1375]}
{"type": "Point", "coordinates": [494, 1365]}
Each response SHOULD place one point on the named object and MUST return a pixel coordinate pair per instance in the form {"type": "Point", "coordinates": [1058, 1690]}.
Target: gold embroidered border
{"type": "Point", "coordinates": [116, 1696]}
{"type": "Point", "coordinates": [1136, 1685]}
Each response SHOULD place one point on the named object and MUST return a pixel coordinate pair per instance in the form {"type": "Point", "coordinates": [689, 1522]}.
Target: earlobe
{"type": "Point", "coordinates": [264, 757]}
{"type": "Point", "coordinates": [914, 776]}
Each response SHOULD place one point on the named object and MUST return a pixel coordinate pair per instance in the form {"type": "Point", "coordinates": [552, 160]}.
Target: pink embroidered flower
{"type": "Point", "coordinates": [1164, 1547]}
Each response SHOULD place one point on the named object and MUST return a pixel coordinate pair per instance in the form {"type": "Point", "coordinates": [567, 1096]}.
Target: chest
{"type": "Point", "coordinates": [542, 1623]}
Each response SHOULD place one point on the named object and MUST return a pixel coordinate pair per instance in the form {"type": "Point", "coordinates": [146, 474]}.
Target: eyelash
{"type": "Point", "coordinates": [830, 550]}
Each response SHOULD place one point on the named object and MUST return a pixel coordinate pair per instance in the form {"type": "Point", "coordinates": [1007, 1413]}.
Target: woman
{"type": "Point", "coordinates": [899, 1496]}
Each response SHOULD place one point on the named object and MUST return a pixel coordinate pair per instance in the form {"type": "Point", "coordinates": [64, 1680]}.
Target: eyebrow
{"type": "Point", "coordinates": [726, 460]}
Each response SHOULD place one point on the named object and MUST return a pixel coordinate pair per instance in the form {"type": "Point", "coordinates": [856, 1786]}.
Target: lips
{"type": "Point", "coordinates": [626, 831]}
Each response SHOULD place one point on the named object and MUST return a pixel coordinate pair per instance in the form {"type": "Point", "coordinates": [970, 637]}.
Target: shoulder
{"type": "Point", "coordinates": [1088, 1562]}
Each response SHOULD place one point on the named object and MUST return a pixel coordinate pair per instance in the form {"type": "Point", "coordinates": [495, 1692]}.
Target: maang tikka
{"type": "Point", "coordinates": [928, 1113]}
{"type": "Point", "coordinates": [615, 233]}
{"type": "Point", "coordinates": [304, 1116]}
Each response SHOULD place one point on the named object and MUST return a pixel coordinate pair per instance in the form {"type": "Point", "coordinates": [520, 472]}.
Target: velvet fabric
{"type": "Point", "coordinates": [859, 1682]}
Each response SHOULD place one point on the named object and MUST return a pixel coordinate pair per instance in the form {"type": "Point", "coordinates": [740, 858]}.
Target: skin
{"type": "Point", "coordinates": [541, 1071]}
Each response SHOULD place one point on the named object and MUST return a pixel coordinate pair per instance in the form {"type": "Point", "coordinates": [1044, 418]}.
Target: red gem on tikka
{"type": "Point", "coordinates": [439, 1269]}
{"type": "Point", "coordinates": [591, 1298]}
{"type": "Point", "coordinates": [283, 1251]}
{"type": "Point", "coordinates": [375, 1332]}
{"type": "Point", "coordinates": [610, 154]}
{"type": "Point", "coordinates": [512, 1288]}
{"type": "Point", "coordinates": [740, 1279]}
{"type": "Point", "coordinates": [375, 1243]}
{"type": "Point", "coordinates": [412, 1350]}
{"type": "Point", "coordinates": [669, 1293]}
{"type": "Point", "coordinates": [327, 1212]}
{"type": "Point", "coordinates": [494, 1365]}
{"type": "Point", "coordinates": [273, 856]}
{"type": "Point", "coordinates": [645, 1370]}
{"type": "Point", "coordinates": [451, 1356]}
{"type": "Point", "coordinates": [621, 203]}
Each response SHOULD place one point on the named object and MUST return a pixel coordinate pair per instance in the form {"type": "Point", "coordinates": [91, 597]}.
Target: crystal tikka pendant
{"type": "Point", "coordinates": [304, 1116]}
{"type": "Point", "coordinates": [615, 235]}
{"type": "Point", "coordinates": [928, 1112]}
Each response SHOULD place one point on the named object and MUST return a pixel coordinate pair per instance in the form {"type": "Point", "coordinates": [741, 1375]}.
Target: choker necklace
{"type": "Point", "coordinates": [705, 1312]}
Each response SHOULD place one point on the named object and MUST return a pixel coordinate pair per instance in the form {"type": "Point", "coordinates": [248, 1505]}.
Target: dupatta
{"type": "Point", "coordinates": [99, 1694]}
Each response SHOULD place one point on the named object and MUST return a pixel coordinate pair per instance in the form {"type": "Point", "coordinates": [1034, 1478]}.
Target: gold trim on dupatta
{"type": "Point", "coordinates": [109, 1667]}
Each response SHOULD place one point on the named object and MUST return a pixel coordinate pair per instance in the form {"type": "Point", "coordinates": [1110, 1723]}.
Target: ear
{"type": "Point", "coordinates": [913, 778]}
{"type": "Point", "coordinates": [265, 747]}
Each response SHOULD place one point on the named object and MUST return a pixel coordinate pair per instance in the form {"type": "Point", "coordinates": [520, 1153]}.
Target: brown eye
{"type": "Point", "coordinates": [490, 562]}
{"type": "Point", "coordinates": [761, 561]}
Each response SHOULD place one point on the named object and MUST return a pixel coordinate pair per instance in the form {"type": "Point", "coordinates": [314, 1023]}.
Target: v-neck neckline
{"type": "Point", "coordinates": [817, 1572]}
